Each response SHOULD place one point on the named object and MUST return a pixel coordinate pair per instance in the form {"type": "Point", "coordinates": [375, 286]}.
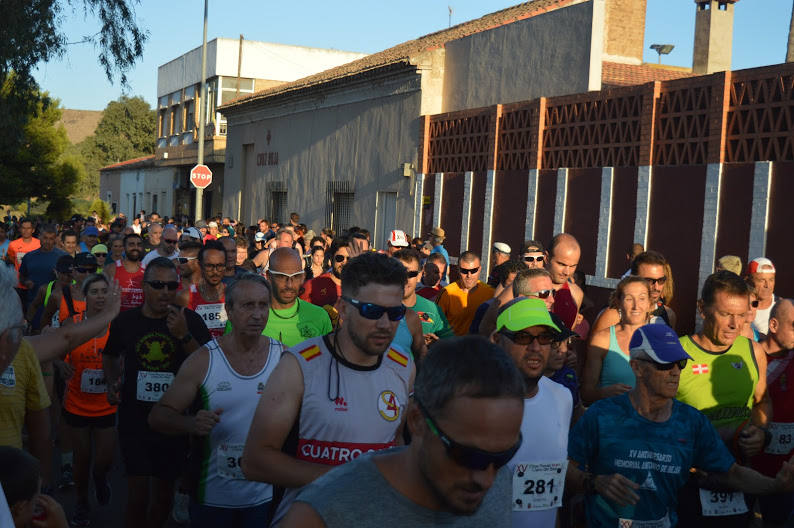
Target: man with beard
{"type": "Point", "coordinates": [128, 273]}
{"type": "Point", "coordinates": [151, 342]}
{"type": "Point", "coordinates": [38, 265]}
{"type": "Point", "coordinates": [206, 298]}
{"type": "Point", "coordinates": [188, 268]}
{"type": "Point", "coordinates": [465, 419]}
{"type": "Point", "coordinates": [345, 391]}
{"type": "Point", "coordinates": [325, 289]}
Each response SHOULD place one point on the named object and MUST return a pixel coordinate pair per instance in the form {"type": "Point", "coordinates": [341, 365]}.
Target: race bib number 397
{"type": "Point", "coordinates": [721, 503]}
{"type": "Point", "coordinates": [538, 486]}
{"type": "Point", "coordinates": [152, 385]}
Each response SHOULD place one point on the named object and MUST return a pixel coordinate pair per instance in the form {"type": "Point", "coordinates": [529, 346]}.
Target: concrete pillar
{"type": "Point", "coordinates": [532, 204]}
{"type": "Point", "coordinates": [468, 182]}
{"type": "Point", "coordinates": [559, 202]}
{"type": "Point", "coordinates": [759, 221]}
{"type": "Point", "coordinates": [487, 225]}
{"type": "Point", "coordinates": [439, 194]}
{"type": "Point", "coordinates": [644, 174]}
{"type": "Point", "coordinates": [604, 221]}
{"type": "Point", "coordinates": [708, 238]}
{"type": "Point", "coordinates": [418, 205]}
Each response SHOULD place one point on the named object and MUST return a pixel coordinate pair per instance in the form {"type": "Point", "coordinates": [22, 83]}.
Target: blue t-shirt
{"type": "Point", "coordinates": [566, 377]}
{"type": "Point", "coordinates": [39, 266]}
{"type": "Point", "coordinates": [443, 251]}
{"type": "Point", "coordinates": [612, 437]}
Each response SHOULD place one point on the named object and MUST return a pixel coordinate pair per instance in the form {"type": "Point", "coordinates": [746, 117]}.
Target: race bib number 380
{"type": "Point", "coordinates": [538, 486]}
{"type": "Point", "coordinates": [152, 385]}
{"type": "Point", "coordinates": [721, 503]}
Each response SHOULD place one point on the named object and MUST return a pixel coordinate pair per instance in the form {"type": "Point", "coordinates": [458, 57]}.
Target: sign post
{"type": "Point", "coordinates": [202, 119]}
{"type": "Point", "coordinates": [200, 176]}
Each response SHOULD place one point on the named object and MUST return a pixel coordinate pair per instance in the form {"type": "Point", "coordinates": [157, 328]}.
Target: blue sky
{"type": "Point", "coordinates": [760, 34]}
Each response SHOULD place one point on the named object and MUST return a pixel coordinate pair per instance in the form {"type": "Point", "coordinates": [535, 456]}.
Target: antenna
{"type": "Point", "coordinates": [450, 15]}
{"type": "Point", "coordinates": [662, 49]}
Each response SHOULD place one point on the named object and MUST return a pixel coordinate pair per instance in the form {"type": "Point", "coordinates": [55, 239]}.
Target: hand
{"type": "Point", "coordinates": [615, 390]}
{"type": "Point", "coordinates": [571, 359]}
{"type": "Point", "coordinates": [751, 441]}
{"type": "Point", "coordinates": [784, 480]}
{"type": "Point", "coordinates": [53, 514]}
{"type": "Point", "coordinates": [176, 322]}
{"type": "Point", "coordinates": [204, 421]}
{"type": "Point", "coordinates": [113, 302]}
{"type": "Point", "coordinates": [617, 488]}
{"type": "Point", "coordinates": [430, 338]}
{"type": "Point", "coordinates": [114, 392]}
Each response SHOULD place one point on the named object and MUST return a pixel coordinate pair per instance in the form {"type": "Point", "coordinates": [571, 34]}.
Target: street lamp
{"type": "Point", "coordinates": [662, 49]}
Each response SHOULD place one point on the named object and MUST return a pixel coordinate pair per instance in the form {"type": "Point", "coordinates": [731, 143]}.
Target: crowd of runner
{"type": "Point", "coordinates": [273, 375]}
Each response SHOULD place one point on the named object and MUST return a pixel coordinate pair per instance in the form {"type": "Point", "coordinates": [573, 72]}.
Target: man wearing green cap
{"type": "Point", "coordinates": [524, 328]}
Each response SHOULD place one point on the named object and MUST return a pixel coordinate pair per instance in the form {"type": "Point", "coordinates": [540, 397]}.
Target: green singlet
{"type": "Point", "coordinates": [295, 325]}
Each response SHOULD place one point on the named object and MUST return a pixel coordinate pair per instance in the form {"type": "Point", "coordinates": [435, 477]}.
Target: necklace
{"type": "Point", "coordinates": [297, 310]}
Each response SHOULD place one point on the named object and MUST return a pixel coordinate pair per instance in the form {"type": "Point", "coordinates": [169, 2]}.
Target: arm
{"type": "Point", "coordinates": [110, 270]}
{"type": "Point", "coordinates": [261, 258]}
{"type": "Point", "coordinates": [183, 297]}
{"type": "Point", "coordinates": [34, 305]}
{"type": "Point", "coordinates": [301, 515]}
{"type": "Point", "coordinates": [418, 347]}
{"type": "Point", "coordinates": [273, 419]}
{"type": "Point", "coordinates": [762, 405]}
{"type": "Point", "coordinates": [609, 317]}
{"type": "Point", "coordinates": [488, 323]}
{"type": "Point", "coordinates": [38, 426]}
{"type": "Point", "coordinates": [167, 415]}
{"type": "Point", "coordinates": [616, 487]}
{"type": "Point", "coordinates": [53, 305]}
{"type": "Point", "coordinates": [576, 293]}
{"type": "Point", "coordinates": [594, 362]}
{"type": "Point", "coordinates": [750, 481]}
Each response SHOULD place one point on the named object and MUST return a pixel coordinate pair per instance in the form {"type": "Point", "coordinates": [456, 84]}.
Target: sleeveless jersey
{"type": "Point", "coordinates": [780, 385]}
{"type": "Point", "coordinates": [86, 391]}
{"type": "Point", "coordinates": [131, 286]}
{"type": "Point", "coordinates": [347, 410]}
{"type": "Point", "coordinates": [615, 367]}
{"type": "Point", "coordinates": [221, 482]}
{"type": "Point", "coordinates": [63, 311]}
{"type": "Point", "coordinates": [721, 385]}
{"type": "Point", "coordinates": [565, 305]}
{"type": "Point", "coordinates": [213, 313]}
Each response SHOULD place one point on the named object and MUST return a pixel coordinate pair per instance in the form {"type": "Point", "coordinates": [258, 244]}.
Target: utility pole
{"type": "Point", "coordinates": [202, 115]}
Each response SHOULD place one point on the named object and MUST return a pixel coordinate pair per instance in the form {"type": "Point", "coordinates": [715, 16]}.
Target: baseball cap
{"type": "Point", "coordinates": [192, 232]}
{"type": "Point", "coordinates": [438, 232]}
{"type": "Point", "coordinates": [85, 260]}
{"type": "Point", "coordinates": [658, 342]}
{"type": "Point", "coordinates": [397, 238]}
{"type": "Point", "coordinates": [565, 332]}
{"type": "Point", "coordinates": [202, 224]}
{"type": "Point", "coordinates": [523, 312]}
{"type": "Point", "coordinates": [501, 247]}
{"type": "Point", "coordinates": [99, 248]}
{"type": "Point", "coordinates": [64, 264]}
{"type": "Point", "coordinates": [91, 230]}
{"type": "Point", "coordinates": [259, 236]}
{"type": "Point", "coordinates": [760, 265]}
{"type": "Point", "coordinates": [213, 224]}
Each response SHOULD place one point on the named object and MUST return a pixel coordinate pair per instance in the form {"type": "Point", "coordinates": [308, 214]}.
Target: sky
{"type": "Point", "coordinates": [175, 27]}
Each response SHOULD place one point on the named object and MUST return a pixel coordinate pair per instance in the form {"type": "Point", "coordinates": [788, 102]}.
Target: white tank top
{"type": "Point", "coordinates": [221, 481]}
{"type": "Point", "coordinates": [347, 410]}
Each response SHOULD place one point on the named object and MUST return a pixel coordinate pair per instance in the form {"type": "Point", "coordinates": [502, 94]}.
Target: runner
{"type": "Point", "coordinates": [188, 268]}
{"type": "Point", "coordinates": [227, 374]}
{"type": "Point", "coordinates": [153, 237]}
{"type": "Point", "coordinates": [166, 248]}
{"type": "Point", "coordinates": [64, 268]}
{"type": "Point", "coordinates": [727, 382]}
{"type": "Point", "coordinates": [607, 371]}
{"type": "Point", "coordinates": [761, 272]}
{"type": "Point", "coordinates": [128, 272]}
{"type": "Point", "coordinates": [534, 254]}
{"type": "Point", "coordinates": [631, 454]}
{"type": "Point", "coordinates": [346, 391]}
{"type": "Point", "coordinates": [232, 271]}
{"type": "Point", "coordinates": [459, 301]}
{"type": "Point", "coordinates": [437, 237]}
{"type": "Point", "coordinates": [397, 241]}
{"type": "Point", "coordinates": [206, 298]}
{"type": "Point", "coordinates": [21, 502]}
{"type": "Point", "coordinates": [69, 242]}
{"type": "Point", "coordinates": [100, 251]}
{"type": "Point", "coordinates": [564, 254]}
{"type": "Point", "coordinates": [534, 283]}
{"type": "Point", "coordinates": [465, 421]}
{"type": "Point", "coordinates": [152, 340]}
{"type": "Point", "coordinates": [500, 253]}
{"type": "Point", "coordinates": [504, 275]}
{"type": "Point", "coordinates": [527, 333]}
{"type": "Point", "coordinates": [90, 234]}
{"type": "Point", "coordinates": [433, 270]}
{"type": "Point", "coordinates": [17, 249]}
{"type": "Point", "coordinates": [325, 290]}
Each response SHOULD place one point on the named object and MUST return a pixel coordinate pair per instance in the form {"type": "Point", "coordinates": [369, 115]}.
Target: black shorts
{"type": "Point", "coordinates": [97, 422]}
{"type": "Point", "coordinates": [151, 454]}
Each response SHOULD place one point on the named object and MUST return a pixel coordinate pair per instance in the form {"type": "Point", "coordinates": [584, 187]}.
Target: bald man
{"type": "Point", "coordinates": [167, 246]}
{"type": "Point", "coordinates": [564, 254]}
{"type": "Point", "coordinates": [780, 377]}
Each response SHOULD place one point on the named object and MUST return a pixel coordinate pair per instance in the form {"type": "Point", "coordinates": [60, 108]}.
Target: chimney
{"type": "Point", "coordinates": [713, 36]}
{"type": "Point", "coordinates": [624, 35]}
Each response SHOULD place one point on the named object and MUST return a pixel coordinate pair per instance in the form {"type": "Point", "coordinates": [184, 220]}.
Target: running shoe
{"type": "Point", "coordinates": [81, 517]}
{"type": "Point", "coordinates": [67, 477]}
{"type": "Point", "coordinates": [180, 512]}
{"type": "Point", "coordinates": [104, 493]}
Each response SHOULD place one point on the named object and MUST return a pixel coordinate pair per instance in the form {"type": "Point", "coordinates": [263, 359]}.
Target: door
{"type": "Point", "coordinates": [385, 217]}
{"type": "Point", "coordinates": [245, 209]}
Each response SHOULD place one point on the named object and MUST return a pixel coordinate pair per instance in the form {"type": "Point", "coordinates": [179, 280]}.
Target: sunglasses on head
{"type": "Point", "coordinates": [660, 280]}
{"type": "Point", "coordinates": [184, 260]}
{"type": "Point", "coordinates": [412, 274]}
{"type": "Point", "coordinates": [541, 294]}
{"type": "Point", "coordinates": [376, 311]}
{"type": "Point", "coordinates": [341, 258]}
{"type": "Point", "coordinates": [681, 363]}
{"type": "Point", "coordinates": [159, 285]}
{"type": "Point", "coordinates": [468, 457]}
{"type": "Point", "coordinates": [472, 271]}
{"type": "Point", "coordinates": [533, 259]}
{"type": "Point", "coordinates": [525, 338]}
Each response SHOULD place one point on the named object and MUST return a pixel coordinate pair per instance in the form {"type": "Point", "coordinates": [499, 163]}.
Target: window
{"type": "Point", "coordinates": [278, 202]}
{"type": "Point", "coordinates": [190, 120]}
{"type": "Point", "coordinates": [154, 202]}
{"type": "Point", "coordinates": [161, 123]}
{"type": "Point", "coordinates": [339, 205]}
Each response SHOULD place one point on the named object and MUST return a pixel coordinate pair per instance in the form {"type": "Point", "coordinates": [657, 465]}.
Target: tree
{"type": "Point", "coordinates": [102, 209]}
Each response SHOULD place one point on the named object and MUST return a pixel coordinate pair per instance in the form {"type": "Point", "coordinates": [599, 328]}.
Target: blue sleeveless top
{"type": "Point", "coordinates": [615, 368]}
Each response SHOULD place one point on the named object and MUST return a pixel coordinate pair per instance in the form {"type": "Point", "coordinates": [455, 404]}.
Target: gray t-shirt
{"type": "Point", "coordinates": [356, 494]}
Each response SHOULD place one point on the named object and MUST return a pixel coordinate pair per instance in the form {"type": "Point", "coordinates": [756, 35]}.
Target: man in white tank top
{"type": "Point", "coordinates": [346, 391]}
{"type": "Point", "coordinates": [227, 375]}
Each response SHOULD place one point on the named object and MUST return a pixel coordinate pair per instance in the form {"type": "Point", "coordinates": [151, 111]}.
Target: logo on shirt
{"type": "Point", "coordinates": [260, 388]}
{"type": "Point", "coordinates": [341, 404]}
{"type": "Point", "coordinates": [425, 317]}
{"type": "Point", "coordinates": [737, 364]}
{"type": "Point", "coordinates": [388, 406]}
{"type": "Point", "coordinates": [306, 330]}
{"type": "Point", "coordinates": [155, 351]}
{"type": "Point", "coordinates": [649, 484]}
{"type": "Point", "coordinates": [700, 368]}
{"type": "Point", "coordinates": [8, 378]}
{"type": "Point", "coordinates": [223, 386]}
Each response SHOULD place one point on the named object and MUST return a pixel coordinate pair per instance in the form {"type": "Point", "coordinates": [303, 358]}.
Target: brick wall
{"type": "Point", "coordinates": [625, 30]}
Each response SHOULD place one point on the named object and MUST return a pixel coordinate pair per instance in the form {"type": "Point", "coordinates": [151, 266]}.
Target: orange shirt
{"type": "Point", "coordinates": [19, 248]}
{"type": "Point", "coordinates": [86, 394]}
{"type": "Point", "coordinates": [460, 306]}
{"type": "Point", "coordinates": [63, 311]}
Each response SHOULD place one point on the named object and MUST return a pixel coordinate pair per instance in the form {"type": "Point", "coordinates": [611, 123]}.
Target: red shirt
{"type": "Point", "coordinates": [428, 292]}
{"type": "Point", "coordinates": [131, 286]}
{"type": "Point", "coordinates": [322, 291]}
{"type": "Point", "coordinates": [780, 386]}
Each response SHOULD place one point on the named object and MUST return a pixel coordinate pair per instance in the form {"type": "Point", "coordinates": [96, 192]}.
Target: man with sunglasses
{"type": "Point", "coordinates": [166, 248]}
{"type": "Point", "coordinates": [345, 391]}
{"type": "Point", "coordinates": [465, 420]}
{"type": "Point", "coordinates": [206, 296]}
{"type": "Point", "coordinates": [188, 268]}
{"type": "Point", "coordinates": [727, 382]}
{"type": "Point", "coordinates": [631, 454]}
{"type": "Point", "coordinates": [534, 254]}
{"type": "Point", "coordinates": [526, 331]}
{"type": "Point", "coordinates": [128, 272]}
{"type": "Point", "coordinates": [324, 290]}
{"type": "Point", "coordinates": [151, 342]}
{"type": "Point", "coordinates": [534, 283]}
{"type": "Point", "coordinates": [459, 301]}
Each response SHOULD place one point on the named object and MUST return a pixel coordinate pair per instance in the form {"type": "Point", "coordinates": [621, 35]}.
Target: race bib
{"type": "Point", "coordinates": [8, 378]}
{"type": "Point", "coordinates": [214, 315]}
{"type": "Point", "coordinates": [152, 385]}
{"type": "Point", "coordinates": [721, 503]}
{"type": "Point", "coordinates": [664, 522]}
{"type": "Point", "coordinates": [93, 381]}
{"type": "Point", "coordinates": [228, 460]}
{"type": "Point", "coordinates": [782, 438]}
{"type": "Point", "coordinates": [538, 486]}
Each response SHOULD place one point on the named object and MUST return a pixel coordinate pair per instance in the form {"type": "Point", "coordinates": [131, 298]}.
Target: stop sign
{"type": "Point", "coordinates": [200, 176]}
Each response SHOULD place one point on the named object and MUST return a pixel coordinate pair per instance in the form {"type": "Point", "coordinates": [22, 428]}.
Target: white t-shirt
{"type": "Point", "coordinates": [547, 418]}
{"type": "Point", "coordinates": [153, 254]}
{"type": "Point", "coordinates": [761, 321]}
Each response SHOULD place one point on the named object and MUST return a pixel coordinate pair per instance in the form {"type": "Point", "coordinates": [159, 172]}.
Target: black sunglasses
{"type": "Point", "coordinates": [525, 338]}
{"type": "Point", "coordinates": [100, 255]}
{"type": "Point", "coordinates": [471, 271]}
{"type": "Point", "coordinates": [533, 259]}
{"type": "Point", "coordinates": [84, 270]}
{"type": "Point", "coordinates": [376, 311]}
{"type": "Point", "coordinates": [666, 366]}
{"type": "Point", "coordinates": [341, 258]}
{"type": "Point", "coordinates": [469, 457]}
{"type": "Point", "coordinates": [412, 274]}
{"type": "Point", "coordinates": [159, 285]}
{"type": "Point", "coordinates": [660, 280]}
{"type": "Point", "coordinates": [541, 294]}
{"type": "Point", "coordinates": [170, 241]}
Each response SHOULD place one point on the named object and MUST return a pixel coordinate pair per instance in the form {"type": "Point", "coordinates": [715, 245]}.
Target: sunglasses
{"type": "Point", "coordinates": [216, 267]}
{"type": "Point", "coordinates": [660, 280]}
{"type": "Point", "coordinates": [84, 270]}
{"type": "Point", "coordinates": [472, 271]}
{"type": "Point", "coordinates": [286, 276]}
{"type": "Point", "coordinates": [541, 294]}
{"type": "Point", "coordinates": [100, 255]}
{"type": "Point", "coordinates": [341, 258]}
{"type": "Point", "coordinates": [159, 285]}
{"type": "Point", "coordinates": [526, 339]}
{"type": "Point", "coordinates": [412, 274]}
{"type": "Point", "coordinates": [469, 457]}
{"type": "Point", "coordinates": [754, 304]}
{"type": "Point", "coordinates": [184, 260]}
{"type": "Point", "coordinates": [533, 259]}
{"type": "Point", "coordinates": [170, 241]}
{"type": "Point", "coordinates": [376, 311]}
{"type": "Point", "coordinates": [681, 363]}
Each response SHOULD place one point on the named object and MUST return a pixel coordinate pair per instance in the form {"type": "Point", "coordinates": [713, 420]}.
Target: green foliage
{"type": "Point", "coordinates": [102, 208]}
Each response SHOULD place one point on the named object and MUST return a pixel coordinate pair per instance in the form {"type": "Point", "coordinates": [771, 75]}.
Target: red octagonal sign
{"type": "Point", "coordinates": [200, 176]}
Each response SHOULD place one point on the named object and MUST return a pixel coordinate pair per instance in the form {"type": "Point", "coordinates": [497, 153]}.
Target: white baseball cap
{"type": "Point", "coordinates": [501, 247]}
{"type": "Point", "coordinates": [398, 239]}
{"type": "Point", "coordinates": [192, 232]}
{"type": "Point", "coordinates": [760, 265]}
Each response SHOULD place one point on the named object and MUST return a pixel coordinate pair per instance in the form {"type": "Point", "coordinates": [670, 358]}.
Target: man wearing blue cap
{"type": "Point", "coordinates": [632, 453]}
{"type": "Point", "coordinates": [90, 235]}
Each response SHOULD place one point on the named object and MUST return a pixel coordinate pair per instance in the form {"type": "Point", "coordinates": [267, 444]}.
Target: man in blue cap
{"type": "Point", "coordinates": [90, 235]}
{"type": "Point", "coordinates": [632, 453]}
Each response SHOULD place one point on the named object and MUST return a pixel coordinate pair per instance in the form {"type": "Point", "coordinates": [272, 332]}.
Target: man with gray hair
{"type": "Point", "coordinates": [534, 283]}
{"type": "Point", "coordinates": [167, 247]}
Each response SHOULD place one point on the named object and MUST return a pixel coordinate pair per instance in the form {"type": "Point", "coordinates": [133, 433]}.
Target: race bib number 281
{"type": "Point", "coordinates": [538, 486]}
